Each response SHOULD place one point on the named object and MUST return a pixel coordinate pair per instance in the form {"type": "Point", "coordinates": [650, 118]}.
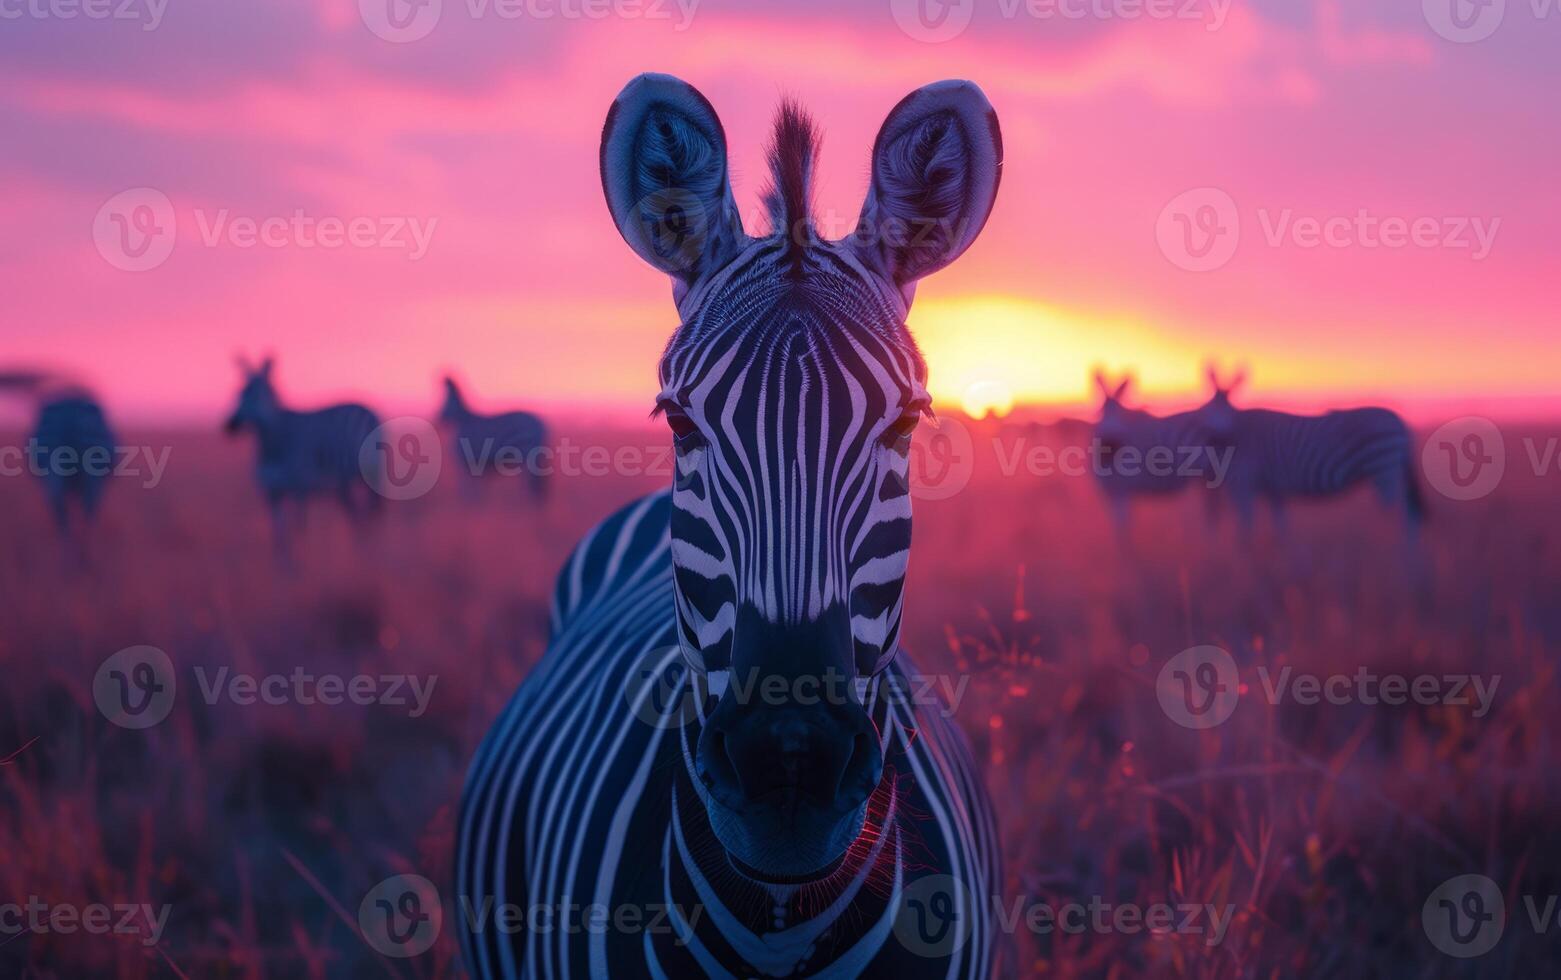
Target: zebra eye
{"type": "Point", "coordinates": [685, 434]}
{"type": "Point", "coordinates": [900, 430]}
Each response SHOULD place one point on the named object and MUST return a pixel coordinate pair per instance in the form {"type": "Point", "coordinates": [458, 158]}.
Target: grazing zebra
{"type": "Point", "coordinates": [72, 448]}
{"type": "Point", "coordinates": [302, 454]}
{"type": "Point", "coordinates": [495, 443]}
{"type": "Point", "coordinates": [1279, 456]}
{"type": "Point", "coordinates": [694, 742]}
{"type": "Point", "coordinates": [1145, 455]}
{"type": "Point", "coordinates": [74, 437]}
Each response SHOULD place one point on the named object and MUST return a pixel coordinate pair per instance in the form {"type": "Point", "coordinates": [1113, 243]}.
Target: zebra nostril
{"type": "Point", "coordinates": [861, 774]}
{"type": "Point", "coordinates": [718, 770]}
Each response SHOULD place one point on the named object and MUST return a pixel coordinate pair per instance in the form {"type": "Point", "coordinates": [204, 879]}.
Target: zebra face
{"type": "Point", "coordinates": [1218, 416]}
{"type": "Point", "coordinates": [791, 425]}
{"type": "Point", "coordinates": [1117, 421]}
{"type": "Point", "coordinates": [258, 403]}
{"type": "Point", "coordinates": [791, 388]}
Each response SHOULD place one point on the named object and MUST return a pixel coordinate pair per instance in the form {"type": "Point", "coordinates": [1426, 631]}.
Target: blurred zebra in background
{"type": "Point", "coordinates": [1146, 455]}
{"type": "Point", "coordinates": [494, 444]}
{"type": "Point", "coordinates": [305, 454]}
{"type": "Point", "coordinates": [72, 447]}
{"type": "Point", "coordinates": [1279, 456]}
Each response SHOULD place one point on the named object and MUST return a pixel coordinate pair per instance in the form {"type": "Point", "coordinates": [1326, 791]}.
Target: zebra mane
{"type": "Point", "coordinates": [793, 150]}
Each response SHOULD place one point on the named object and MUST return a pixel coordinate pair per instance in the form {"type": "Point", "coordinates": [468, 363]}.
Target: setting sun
{"type": "Point", "coordinates": [987, 352]}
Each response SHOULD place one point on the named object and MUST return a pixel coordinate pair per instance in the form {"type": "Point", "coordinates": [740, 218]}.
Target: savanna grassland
{"type": "Point", "coordinates": [1323, 827]}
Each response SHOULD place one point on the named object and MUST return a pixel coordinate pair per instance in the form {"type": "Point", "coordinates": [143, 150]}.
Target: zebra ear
{"type": "Point", "coordinates": [1213, 372]}
{"type": "Point", "coordinates": [1121, 391]}
{"type": "Point", "coordinates": [664, 173]}
{"type": "Point", "coordinates": [1102, 383]}
{"type": "Point", "coordinates": [935, 170]}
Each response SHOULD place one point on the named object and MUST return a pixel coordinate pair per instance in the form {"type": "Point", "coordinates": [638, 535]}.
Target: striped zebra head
{"type": "Point", "coordinates": [791, 387]}
{"type": "Point", "coordinates": [1117, 421]}
{"type": "Point", "coordinates": [258, 403]}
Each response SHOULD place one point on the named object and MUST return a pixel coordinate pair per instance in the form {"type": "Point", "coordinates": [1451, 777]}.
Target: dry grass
{"type": "Point", "coordinates": [1325, 826]}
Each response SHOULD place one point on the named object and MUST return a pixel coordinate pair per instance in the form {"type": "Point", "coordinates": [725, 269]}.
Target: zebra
{"type": "Point", "coordinates": [1280, 456]}
{"type": "Point", "coordinates": [302, 454]}
{"type": "Point", "coordinates": [490, 443]}
{"type": "Point", "coordinates": [665, 752]}
{"type": "Point", "coordinates": [1139, 454]}
{"type": "Point", "coordinates": [72, 446]}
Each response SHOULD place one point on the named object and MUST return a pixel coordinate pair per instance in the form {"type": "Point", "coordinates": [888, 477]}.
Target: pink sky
{"type": "Point", "coordinates": [483, 135]}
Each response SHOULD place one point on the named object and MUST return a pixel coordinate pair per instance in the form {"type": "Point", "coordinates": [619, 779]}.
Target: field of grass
{"type": "Point", "coordinates": [1323, 827]}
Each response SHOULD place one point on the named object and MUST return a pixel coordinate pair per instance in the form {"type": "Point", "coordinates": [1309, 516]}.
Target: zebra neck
{"type": "Point", "coordinates": [274, 432]}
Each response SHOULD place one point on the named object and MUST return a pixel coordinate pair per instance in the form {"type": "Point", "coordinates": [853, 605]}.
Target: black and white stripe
{"type": "Point", "coordinates": [629, 771]}
{"type": "Point", "coordinates": [1277, 456]}
{"type": "Point", "coordinates": [489, 444]}
{"type": "Point", "coordinates": [302, 455]}
{"type": "Point", "coordinates": [1280, 457]}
